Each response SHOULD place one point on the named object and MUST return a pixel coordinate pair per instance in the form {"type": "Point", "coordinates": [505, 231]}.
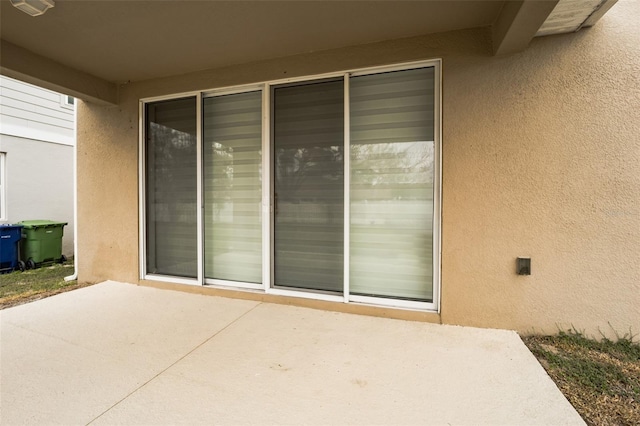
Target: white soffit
{"type": "Point", "coordinates": [569, 16]}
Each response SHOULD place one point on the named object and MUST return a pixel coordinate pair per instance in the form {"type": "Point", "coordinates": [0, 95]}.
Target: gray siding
{"type": "Point", "coordinates": [37, 135]}
{"type": "Point", "coordinates": [32, 112]}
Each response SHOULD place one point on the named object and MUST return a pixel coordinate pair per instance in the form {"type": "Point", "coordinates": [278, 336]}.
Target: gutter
{"type": "Point", "coordinates": [74, 276]}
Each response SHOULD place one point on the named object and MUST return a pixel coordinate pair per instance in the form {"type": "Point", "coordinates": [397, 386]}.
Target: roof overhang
{"type": "Point", "coordinates": [87, 48]}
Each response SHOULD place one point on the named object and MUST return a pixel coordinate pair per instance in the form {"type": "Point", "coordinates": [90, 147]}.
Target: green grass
{"type": "Point", "coordinates": [20, 287]}
{"type": "Point", "coordinates": [600, 378]}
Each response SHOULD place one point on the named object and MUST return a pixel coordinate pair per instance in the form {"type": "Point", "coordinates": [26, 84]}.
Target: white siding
{"type": "Point", "coordinates": [39, 183]}
{"type": "Point", "coordinates": [37, 138]}
{"type": "Point", "coordinates": [31, 112]}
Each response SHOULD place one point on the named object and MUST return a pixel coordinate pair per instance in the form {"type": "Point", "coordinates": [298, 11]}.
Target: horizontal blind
{"type": "Point", "coordinates": [392, 155]}
{"type": "Point", "coordinates": [171, 176]}
{"type": "Point", "coordinates": [309, 185]}
{"type": "Point", "coordinates": [232, 184]}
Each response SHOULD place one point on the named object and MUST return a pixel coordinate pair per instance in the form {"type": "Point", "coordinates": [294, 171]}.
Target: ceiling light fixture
{"type": "Point", "coordinates": [33, 7]}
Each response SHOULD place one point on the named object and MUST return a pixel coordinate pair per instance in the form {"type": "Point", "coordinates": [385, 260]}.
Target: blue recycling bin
{"type": "Point", "coordinates": [10, 236]}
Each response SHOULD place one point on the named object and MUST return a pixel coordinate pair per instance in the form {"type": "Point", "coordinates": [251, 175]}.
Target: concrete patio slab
{"type": "Point", "coordinates": [118, 353]}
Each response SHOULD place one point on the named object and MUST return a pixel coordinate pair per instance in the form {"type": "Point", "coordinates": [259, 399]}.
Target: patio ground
{"type": "Point", "coordinates": [117, 353]}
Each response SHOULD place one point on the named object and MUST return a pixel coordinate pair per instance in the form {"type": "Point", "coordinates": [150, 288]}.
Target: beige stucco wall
{"type": "Point", "coordinates": [541, 158]}
{"type": "Point", "coordinates": [107, 192]}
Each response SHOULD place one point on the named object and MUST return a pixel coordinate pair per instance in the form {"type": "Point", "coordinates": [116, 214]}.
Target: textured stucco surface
{"type": "Point", "coordinates": [541, 158]}
{"type": "Point", "coordinates": [107, 192]}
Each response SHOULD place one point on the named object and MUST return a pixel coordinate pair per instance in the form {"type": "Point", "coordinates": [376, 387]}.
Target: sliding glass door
{"type": "Point", "coordinates": [171, 188]}
{"type": "Point", "coordinates": [392, 175]}
{"type": "Point", "coordinates": [308, 155]}
{"type": "Point", "coordinates": [232, 185]}
{"type": "Point", "coordinates": [284, 186]}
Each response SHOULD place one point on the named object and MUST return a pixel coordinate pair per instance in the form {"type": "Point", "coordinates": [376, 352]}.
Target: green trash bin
{"type": "Point", "coordinates": [41, 242]}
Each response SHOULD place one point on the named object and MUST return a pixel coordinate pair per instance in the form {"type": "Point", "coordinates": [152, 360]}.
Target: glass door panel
{"type": "Point", "coordinates": [392, 175]}
{"type": "Point", "coordinates": [171, 195]}
{"type": "Point", "coordinates": [232, 184]}
{"type": "Point", "coordinates": [308, 132]}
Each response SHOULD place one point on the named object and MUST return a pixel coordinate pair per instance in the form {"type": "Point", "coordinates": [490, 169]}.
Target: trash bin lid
{"type": "Point", "coordinates": [10, 226]}
{"type": "Point", "coordinates": [33, 224]}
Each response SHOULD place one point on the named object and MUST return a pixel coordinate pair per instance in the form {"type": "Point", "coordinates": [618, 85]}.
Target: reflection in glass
{"type": "Point", "coordinates": [232, 184]}
{"type": "Point", "coordinates": [309, 185]}
{"type": "Point", "coordinates": [171, 177]}
{"type": "Point", "coordinates": [392, 156]}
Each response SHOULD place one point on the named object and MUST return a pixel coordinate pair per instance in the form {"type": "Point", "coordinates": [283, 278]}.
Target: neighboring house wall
{"type": "Point", "coordinates": [541, 158]}
{"type": "Point", "coordinates": [37, 135]}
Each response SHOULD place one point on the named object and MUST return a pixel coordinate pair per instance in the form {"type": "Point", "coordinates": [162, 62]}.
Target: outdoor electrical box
{"type": "Point", "coordinates": [523, 266]}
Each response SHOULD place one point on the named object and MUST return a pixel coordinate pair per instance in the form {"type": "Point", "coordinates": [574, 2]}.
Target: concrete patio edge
{"type": "Point", "coordinates": [121, 353]}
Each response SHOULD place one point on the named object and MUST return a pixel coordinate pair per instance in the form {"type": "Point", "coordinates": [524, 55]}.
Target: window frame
{"type": "Point", "coordinates": [218, 281]}
{"type": "Point", "coordinates": [197, 190]}
{"type": "Point", "coordinates": [266, 88]}
{"type": "Point", "coordinates": [67, 101]}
